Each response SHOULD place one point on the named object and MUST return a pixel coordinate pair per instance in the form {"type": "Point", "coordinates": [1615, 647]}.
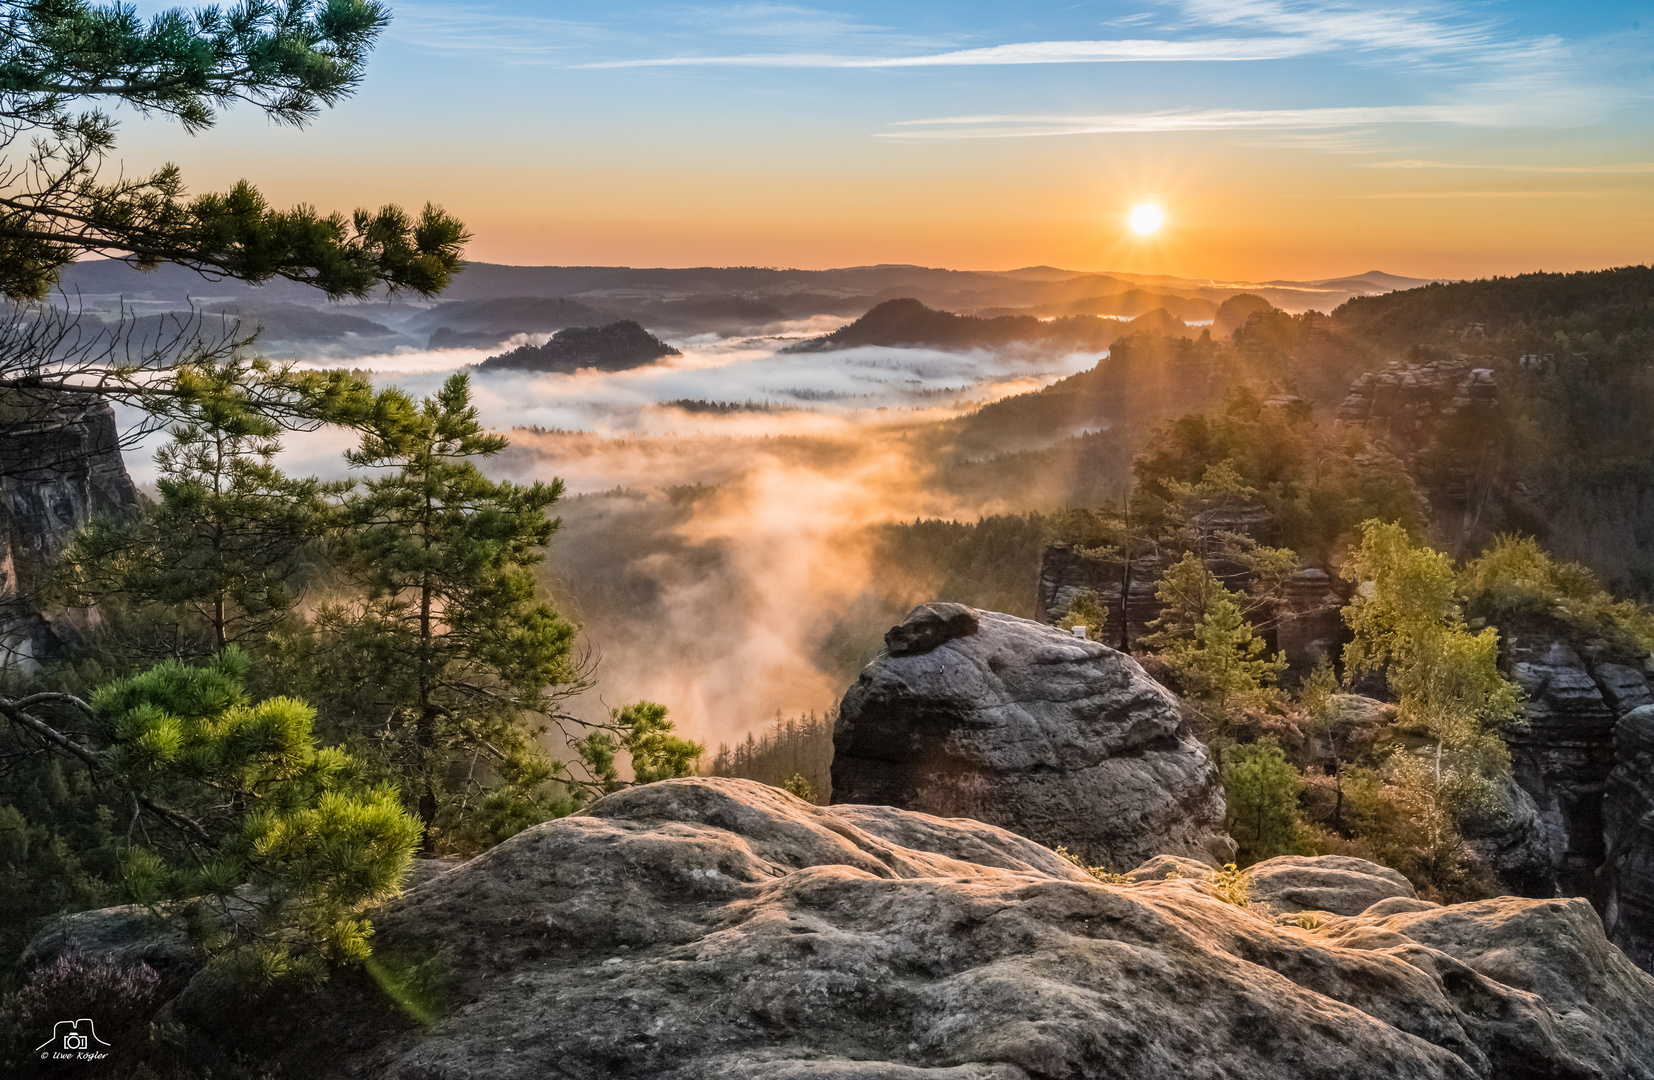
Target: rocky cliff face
{"type": "Point", "coordinates": [1584, 761]}
{"type": "Point", "coordinates": [1628, 835]}
{"type": "Point", "coordinates": [981, 715]}
{"type": "Point", "coordinates": [720, 929]}
{"type": "Point", "coordinates": [60, 466]}
{"type": "Point", "coordinates": [1403, 401]}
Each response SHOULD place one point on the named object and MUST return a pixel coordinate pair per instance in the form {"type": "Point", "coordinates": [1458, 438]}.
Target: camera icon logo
{"type": "Point", "coordinates": [72, 1036]}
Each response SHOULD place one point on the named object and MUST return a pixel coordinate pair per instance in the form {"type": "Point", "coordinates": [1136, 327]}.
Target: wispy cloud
{"type": "Point", "coordinates": [1407, 31]}
{"type": "Point", "coordinates": [1014, 126]}
{"type": "Point", "coordinates": [507, 38]}
{"type": "Point", "coordinates": [1622, 167]}
{"type": "Point", "coordinates": [1030, 52]}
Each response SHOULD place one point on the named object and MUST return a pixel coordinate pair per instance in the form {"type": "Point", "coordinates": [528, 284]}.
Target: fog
{"type": "Point", "coordinates": [711, 555]}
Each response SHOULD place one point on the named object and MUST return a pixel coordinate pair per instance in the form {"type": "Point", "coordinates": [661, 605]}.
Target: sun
{"type": "Point", "coordinates": [1146, 218]}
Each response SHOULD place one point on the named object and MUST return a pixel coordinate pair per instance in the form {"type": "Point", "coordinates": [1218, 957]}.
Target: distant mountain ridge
{"type": "Point", "coordinates": [908, 322]}
{"type": "Point", "coordinates": [488, 304]}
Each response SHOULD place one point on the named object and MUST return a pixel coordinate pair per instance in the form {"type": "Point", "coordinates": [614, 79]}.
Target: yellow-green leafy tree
{"type": "Point", "coordinates": [1408, 625]}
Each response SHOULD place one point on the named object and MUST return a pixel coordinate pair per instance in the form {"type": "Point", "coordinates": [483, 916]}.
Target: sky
{"type": "Point", "coordinates": [1282, 139]}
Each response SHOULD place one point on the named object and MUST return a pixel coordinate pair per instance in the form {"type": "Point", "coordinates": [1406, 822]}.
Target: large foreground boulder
{"type": "Point", "coordinates": [976, 714]}
{"type": "Point", "coordinates": [716, 929]}
{"type": "Point", "coordinates": [720, 929]}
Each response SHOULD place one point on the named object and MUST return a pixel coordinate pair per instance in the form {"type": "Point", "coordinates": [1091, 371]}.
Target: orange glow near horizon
{"type": "Point", "coordinates": [1243, 213]}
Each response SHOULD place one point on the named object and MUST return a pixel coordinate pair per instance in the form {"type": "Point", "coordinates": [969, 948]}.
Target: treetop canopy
{"type": "Point", "coordinates": [288, 58]}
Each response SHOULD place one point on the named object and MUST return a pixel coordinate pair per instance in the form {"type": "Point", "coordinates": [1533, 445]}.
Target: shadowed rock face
{"type": "Point", "coordinates": [714, 928]}
{"type": "Point", "coordinates": [1628, 829]}
{"type": "Point", "coordinates": [60, 466]}
{"type": "Point", "coordinates": [1029, 728]}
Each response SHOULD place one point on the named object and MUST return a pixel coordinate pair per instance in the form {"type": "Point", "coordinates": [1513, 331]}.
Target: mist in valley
{"type": "Point", "coordinates": [720, 533]}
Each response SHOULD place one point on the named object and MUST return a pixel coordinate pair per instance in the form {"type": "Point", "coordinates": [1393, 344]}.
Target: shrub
{"type": "Point", "coordinates": [120, 999]}
{"type": "Point", "coordinates": [1261, 788]}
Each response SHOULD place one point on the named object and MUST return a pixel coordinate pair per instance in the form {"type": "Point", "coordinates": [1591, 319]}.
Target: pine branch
{"type": "Point", "coordinates": [14, 710]}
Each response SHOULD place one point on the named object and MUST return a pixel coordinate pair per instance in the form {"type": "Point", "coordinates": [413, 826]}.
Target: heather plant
{"type": "Point", "coordinates": [120, 999]}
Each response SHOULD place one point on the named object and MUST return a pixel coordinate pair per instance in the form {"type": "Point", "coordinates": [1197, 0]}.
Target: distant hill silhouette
{"type": "Point", "coordinates": [908, 322]}
{"type": "Point", "coordinates": [1233, 313]}
{"type": "Point", "coordinates": [615, 347]}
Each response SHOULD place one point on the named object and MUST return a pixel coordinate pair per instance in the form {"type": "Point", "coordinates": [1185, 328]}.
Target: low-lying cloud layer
{"type": "Point", "coordinates": [716, 530]}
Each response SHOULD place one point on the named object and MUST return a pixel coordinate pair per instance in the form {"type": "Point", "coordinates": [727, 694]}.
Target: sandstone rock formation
{"type": "Point", "coordinates": [987, 716]}
{"type": "Point", "coordinates": [720, 929]}
{"type": "Point", "coordinates": [60, 466]}
{"type": "Point", "coordinates": [1402, 400]}
{"type": "Point", "coordinates": [1585, 758]}
{"type": "Point", "coordinates": [1334, 883]}
{"type": "Point", "coordinates": [1563, 757]}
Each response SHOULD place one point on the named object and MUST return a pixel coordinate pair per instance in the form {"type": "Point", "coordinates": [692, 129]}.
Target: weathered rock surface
{"type": "Point", "coordinates": [1563, 758]}
{"type": "Point", "coordinates": [1509, 841]}
{"type": "Point", "coordinates": [1334, 883]}
{"type": "Point", "coordinates": [1400, 400]}
{"type": "Point", "coordinates": [126, 936]}
{"type": "Point", "coordinates": [718, 928]}
{"type": "Point", "coordinates": [1628, 830]}
{"type": "Point", "coordinates": [60, 466]}
{"type": "Point", "coordinates": [1028, 728]}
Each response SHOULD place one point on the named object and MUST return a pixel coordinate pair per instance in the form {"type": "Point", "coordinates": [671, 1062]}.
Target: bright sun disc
{"type": "Point", "coordinates": [1146, 219]}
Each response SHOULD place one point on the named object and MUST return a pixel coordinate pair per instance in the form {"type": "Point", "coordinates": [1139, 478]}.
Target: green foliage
{"type": "Point", "coordinates": [642, 730]}
{"type": "Point", "coordinates": [1316, 487]}
{"type": "Point", "coordinates": [59, 844]}
{"type": "Point", "coordinates": [793, 746]}
{"type": "Point", "coordinates": [283, 840]}
{"type": "Point", "coordinates": [798, 785]}
{"type": "Point", "coordinates": [1214, 653]}
{"type": "Point", "coordinates": [1186, 592]}
{"type": "Point", "coordinates": [1316, 692]}
{"type": "Point", "coordinates": [230, 533]}
{"type": "Point", "coordinates": [1517, 580]}
{"type": "Point", "coordinates": [1260, 787]}
{"type": "Point", "coordinates": [448, 655]}
{"type": "Point", "coordinates": [288, 59]}
{"type": "Point", "coordinates": [1407, 622]}
{"type": "Point", "coordinates": [985, 563]}
{"type": "Point", "coordinates": [1086, 609]}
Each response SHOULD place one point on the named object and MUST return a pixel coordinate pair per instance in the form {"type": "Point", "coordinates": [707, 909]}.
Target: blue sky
{"type": "Point", "coordinates": [1440, 137]}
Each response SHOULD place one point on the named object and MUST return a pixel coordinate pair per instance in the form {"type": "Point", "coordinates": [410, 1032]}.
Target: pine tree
{"type": "Point", "coordinates": [288, 58]}
{"type": "Point", "coordinates": [1260, 789]}
{"type": "Point", "coordinates": [227, 537]}
{"type": "Point", "coordinates": [271, 846]}
{"type": "Point", "coordinates": [454, 658]}
{"type": "Point", "coordinates": [1204, 637]}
